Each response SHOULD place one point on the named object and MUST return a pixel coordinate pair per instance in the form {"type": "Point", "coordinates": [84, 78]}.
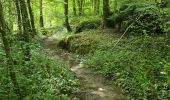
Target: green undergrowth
{"type": "Point", "coordinates": [75, 20]}
{"type": "Point", "coordinates": [144, 17]}
{"type": "Point", "coordinates": [46, 32]}
{"type": "Point", "coordinates": [84, 42]}
{"type": "Point", "coordinates": [87, 25]}
{"type": "Point", "coordinates": [41, 78]}
{"type": "Point", "coordinates": [140, 65]}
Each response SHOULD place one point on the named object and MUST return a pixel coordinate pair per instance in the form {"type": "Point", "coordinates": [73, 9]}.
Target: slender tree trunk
{"type": "Point", "coordinates": [31, 17]}
{"type": "Point", "coordinates": [26, 29]}
{"type": "Point", "coordinates": [95, 1]}
{"type": "Point", "coordinates": [74, 8]}
{"type": "Point", "coordinates": [7, 50]}
{"type": "Point", "coordinates": [19, 16]}
{"type": "Point", "coordinates": [80, 7]}
{"type": "Point", "coordinates": [66, 15]}
{"type": "Point", "coordinates": [106, 11]}
{"type": "Point", "coordinates": [10, 20]}
{"type": "Point", "coordinates": [92, 4]}
{"type": "Point", "coordinates": [41, 14]}
{"type": "Point", "coordinates": [97, 7]}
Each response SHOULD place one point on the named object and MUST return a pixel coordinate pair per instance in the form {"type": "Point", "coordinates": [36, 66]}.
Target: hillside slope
{"type": "Point", "coordinates": [138, 64]}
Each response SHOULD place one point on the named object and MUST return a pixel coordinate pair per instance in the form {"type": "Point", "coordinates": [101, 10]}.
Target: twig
{"type": "Point", "coordinates": [126, 31]}
{"type": "Point", "coordinates": [123, 34]}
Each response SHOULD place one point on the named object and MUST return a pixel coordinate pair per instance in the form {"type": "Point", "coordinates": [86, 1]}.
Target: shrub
{"type": "Point", "coordinates": [139, 65]}
{"type": "Point", "coordinates": [163, 4]}
{"type": "Point", "coordinates": [145, 16]}
{"type": "Point", "coordinates": [43, 77]}
{"type": "Point", "coordinates": [87, 25]}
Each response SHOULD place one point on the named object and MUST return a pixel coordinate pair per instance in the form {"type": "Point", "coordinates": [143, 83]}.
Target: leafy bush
{"type": "Point", "coordinates": [43, 77]}
{"type": "Point", "coordinates": [163, 3]}
{"type": "Point", "coordinates": [140, 65]}
{"type": "Point", "coordinates": [87, 25]}
{"type": "Point", "coordinates": [145, 16]}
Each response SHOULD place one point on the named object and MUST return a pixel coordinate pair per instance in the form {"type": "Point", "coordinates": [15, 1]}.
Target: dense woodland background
{"type": "Point", "coordinates": [126, 41]}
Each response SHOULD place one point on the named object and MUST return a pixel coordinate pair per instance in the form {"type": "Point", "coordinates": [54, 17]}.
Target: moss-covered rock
{"type": "Point", "coordinates": [78, 43]}
{"type": "Point", "coordinates": [87, 25]}
{"type": "Point", "coordinates": [84, 42]}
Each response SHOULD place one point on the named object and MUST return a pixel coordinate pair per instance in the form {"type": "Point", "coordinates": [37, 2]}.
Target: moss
{"type": "Point", "coordinates": [87, 25]}
{"type": "Point", "coordinates": [78, 43]}
{"type": "Point", "coordinates": [86, 42]}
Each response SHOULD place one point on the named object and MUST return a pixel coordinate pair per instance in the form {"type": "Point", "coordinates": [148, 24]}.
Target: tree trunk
{"type": "Point", "coordinates": [97, 7]}
{"type": "Point", "coordinates": [41, 15]}
{"type": "Point", "coordinates": [80, 7]}
{"type": "Point", "coordinates": [94, 6]}
{"type": "Point", "coordinates": [66, 15]}
{"type": "Point", "coordinates": [19, 16]}
{"type": "Point", "coordinates": [26, 29]}
{"type": "Point", "coordinates": [10, 20]}
{"type": "Point", "coordinates": [106, 11]}
{"type": "Point", "coordinates": [74, 8]}
{"type": "Point", "coordinates": [7, 50]}
{"type": "Point", "coordinates": [31, 17]}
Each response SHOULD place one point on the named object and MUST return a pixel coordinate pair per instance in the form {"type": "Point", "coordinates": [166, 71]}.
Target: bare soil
{"type": "Point", "coordinates": [93, 85]}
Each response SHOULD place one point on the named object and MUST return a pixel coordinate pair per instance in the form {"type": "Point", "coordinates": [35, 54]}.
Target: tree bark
{"type": "Point", "coordinates": [26, 29]}
{"type": "Point", "coordinates": [80, 7]}
{"type": "Point", "coordinates": [41, 14]}
{"type": "Point", "coordinates": [95, 1]}
{"type": "Point", "coordinates": [31, 17]}
{"type": "Point", "coordinates": [66, 15]}
{"type": "Point", "coordinates": [7, 50]}
{"type": "Point", "coordinates": [106, 11]}
{"type": "Point", "coordinates": [97, 7]}
{"type": "Point", "coordinates": [10, 20]}
{"type": "Point", "coordinates": [19, 16]}
{"type": "Point", "coordinates": [74, 8]}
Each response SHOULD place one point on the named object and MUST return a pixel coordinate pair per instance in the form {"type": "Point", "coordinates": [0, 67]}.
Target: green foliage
{"type": "Point", "coordinates": [43, 77]}
{"type": "Point", "coordinates": [44, 31]}
{"type": "Point", "coordinates": [163, 3]}
{"type": "Point", "coordinates": [145, 15]}
{"type": "Point", "coordinates": [84, 42]}
{"type": "Point", "coordinates": [78, 43]}
{"type": "Point", "coordinates": [87, 25]}
{"type": "Point", "coordinates": [139, 65]}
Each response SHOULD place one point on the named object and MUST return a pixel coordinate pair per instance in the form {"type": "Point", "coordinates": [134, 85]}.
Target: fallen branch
{"type": "Point", "coordinates": [126, 31]}
{"type": "Point", "coordinates": [123, 34]}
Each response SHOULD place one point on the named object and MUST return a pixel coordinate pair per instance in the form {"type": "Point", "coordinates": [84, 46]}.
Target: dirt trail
{"type": "Point", "coordinates": [94, 86]}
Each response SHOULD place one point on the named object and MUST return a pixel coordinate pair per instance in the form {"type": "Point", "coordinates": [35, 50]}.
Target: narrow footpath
{"type": "Point", "coordinates": [93, 85]}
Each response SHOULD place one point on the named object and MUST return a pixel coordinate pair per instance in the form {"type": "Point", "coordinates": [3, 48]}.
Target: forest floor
{"type": "Point", "coordinates": [93, 86]}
